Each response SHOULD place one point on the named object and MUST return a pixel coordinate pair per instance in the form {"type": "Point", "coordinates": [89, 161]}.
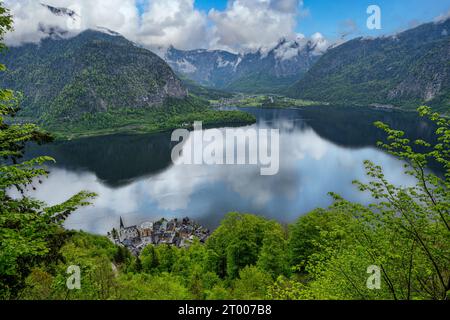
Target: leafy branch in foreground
{"type": "Point", "coordinates": [405, 231]}
{"type": "Point", "coordinates": [30, 232]}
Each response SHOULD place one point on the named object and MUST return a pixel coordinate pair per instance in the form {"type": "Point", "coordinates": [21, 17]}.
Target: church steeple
{"type": "Point", "coordinates": [121, 223]}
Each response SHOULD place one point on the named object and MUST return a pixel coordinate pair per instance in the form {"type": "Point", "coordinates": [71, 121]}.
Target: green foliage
{"type": "Point", "coordinates": [405, 232]}
{"type": "Point", "coordinates": [203, 92]}
{"type": "Point", "coordinates": [287, 289]}
{"type": "Point", "coordinates": [324, 255]}
{"type": "Point", "coordinates": [252, 284]}
{"type": "Point", "coordinates": [122, 256]}
{"type": "Point", "coordinates": [218, 292]}
{"type": "Point", "coordinates": [264, 101]}
{"type": "Point", "coordinates": [30, 231]}
{"type": "Point", "coordinates": [261, 82]}
{"type": "Point", "coordinates": [310, 232]}
{"type": "Point", "coordinates": [148, 287]}
{"type": "Point", "coordinates": [149, 259]}
{"type": "Point", "coordinates": [175, 114]}
{"type": "Point", "coordinates": [274, 255]}
{"type": "Point", "coordinates": [238, 241]}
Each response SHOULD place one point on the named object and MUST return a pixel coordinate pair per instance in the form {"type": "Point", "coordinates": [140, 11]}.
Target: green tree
{"type": "Point", "coordinates": [237, 242]}
{"type": "Point", "coordinates": [405, 232]}
{"type": "Point", "coordinates": [137, 266]}
{"type": "Point", "coordinates": [218, 292]}
{"type": "Point", "coordinates": [252, 284]}
{"type": "Point", "coordinates": [274, 255]}
{"type": "Point", "coordinates": [152, 287]}
{"type": "Point", "coordinates": [306, 234]}
{"type": "Point", "coordinates": [149, 259]}
{"type": "Point", "coordinates": [94, 255]}
{"type": "Point", "coordinates": [167, 255]}
{"type": "Point", "coordinates": [122, 255]}
{"type": "Point", "coordinates": [287, 289]}
{"type": "Point", "coordinates": [30, 231]}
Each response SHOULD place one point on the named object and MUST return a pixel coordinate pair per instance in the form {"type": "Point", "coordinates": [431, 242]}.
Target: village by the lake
{"type": "Point", "coordinates": [181, 233]}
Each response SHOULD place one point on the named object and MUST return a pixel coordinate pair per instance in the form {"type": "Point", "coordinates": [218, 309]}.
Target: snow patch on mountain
{"type": "Point", "coordinates": [108, 31]}
{"type": "Point", "coordinates": [185, 66]}
{"type": "Point", "coordinates": [221, 63]}
{"type": "Point", "coordinates": [238, 62]}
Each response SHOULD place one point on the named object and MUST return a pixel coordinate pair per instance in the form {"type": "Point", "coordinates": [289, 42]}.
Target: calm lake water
{"type": "Point", "coordinates": [321, 150]}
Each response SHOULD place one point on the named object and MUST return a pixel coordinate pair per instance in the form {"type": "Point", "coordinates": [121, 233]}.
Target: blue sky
{"type": "Point", "coordinates": [330, 17]}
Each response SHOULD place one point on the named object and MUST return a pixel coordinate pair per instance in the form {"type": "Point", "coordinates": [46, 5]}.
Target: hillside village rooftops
{"type": "Point", "coordinates": [180, 233]}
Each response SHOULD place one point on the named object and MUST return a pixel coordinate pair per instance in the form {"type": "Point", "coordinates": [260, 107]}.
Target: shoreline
{"type": "Point", "coordinates": [235, 119]}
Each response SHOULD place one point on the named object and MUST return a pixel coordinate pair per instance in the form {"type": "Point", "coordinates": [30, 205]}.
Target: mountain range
{"type": "Point", "coordinates": [98, 82]}
{"type": "Point", "coordinates": [262, 71]}
{"type": "Point", "coordinates": [404, 70]}
{"type": "Point", "coordinates": [408, 69]}
{"type": "Point", "coordinates": [100, 74]}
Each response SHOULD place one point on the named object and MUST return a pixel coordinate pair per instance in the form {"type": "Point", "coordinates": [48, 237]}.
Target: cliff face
{"type": "Point", "coordinates": [92, 72]}
{"type": "Point", "coordinates": [408, 69]}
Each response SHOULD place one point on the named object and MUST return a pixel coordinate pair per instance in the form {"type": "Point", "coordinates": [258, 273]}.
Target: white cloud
{"type": "Point", "coordinates": [173, 22]}
{"type": "Point", "coordinates": [442, 17]}
{"type": "Point", "coordinates": [242, 25]}
{"type": "Point", "coordinates": [320, 43]}
{"type": "Point", "coordinates": [287, 6]}
{"type": "Point", "coordinates": [118, 15]}
{"type": "Point", "coordinates": [288, 49]}
{"type": "Point", "coordinates": [162, 23]}
{"type": "Point", "coordinates": [251, 24]}
{"type": "Point", "coordinates": [27, 17]}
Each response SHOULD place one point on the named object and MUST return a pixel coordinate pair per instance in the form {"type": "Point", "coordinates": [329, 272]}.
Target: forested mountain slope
{"type": "Point", "coordinates": [91, 72]}
{"type": "Point", "coordinates": [408, 69]}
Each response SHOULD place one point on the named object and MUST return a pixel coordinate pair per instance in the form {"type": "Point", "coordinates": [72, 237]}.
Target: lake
{"type": "Point", "coordinates": [322, 150]}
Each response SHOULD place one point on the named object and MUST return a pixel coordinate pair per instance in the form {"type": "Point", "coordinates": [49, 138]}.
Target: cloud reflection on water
{"type": "Point", "coordinates": [310, 167]}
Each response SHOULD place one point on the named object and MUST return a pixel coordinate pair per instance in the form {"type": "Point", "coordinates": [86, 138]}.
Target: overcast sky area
{"type": "Point", "coordinates": [234, 25]}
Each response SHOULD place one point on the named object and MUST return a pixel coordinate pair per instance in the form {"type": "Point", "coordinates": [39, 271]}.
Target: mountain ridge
{"type": "Point", "coordinates": [405, 70]}
{"type": "Point", "coordinates": [92, 71]}
{"type": "Point", "coordinates": [254, 72]}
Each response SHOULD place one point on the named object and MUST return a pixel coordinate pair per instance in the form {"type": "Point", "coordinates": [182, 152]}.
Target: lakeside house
{"type": "Point", "coordinates": [180, 233]}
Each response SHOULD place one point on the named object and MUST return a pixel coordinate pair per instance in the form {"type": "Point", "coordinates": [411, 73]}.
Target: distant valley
{"type": "Point", "coordinates": [404, 70]}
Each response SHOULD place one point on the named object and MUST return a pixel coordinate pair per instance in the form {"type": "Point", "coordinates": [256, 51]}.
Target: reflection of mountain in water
{"type": "Point", "coordinates": [350, 127]}
{"type": "Point", "coordinates": [356, 128]}
{"type": "Point", "coordinates": [116, 160]}
{"type": "Point", "coordinates": [120, 159]}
